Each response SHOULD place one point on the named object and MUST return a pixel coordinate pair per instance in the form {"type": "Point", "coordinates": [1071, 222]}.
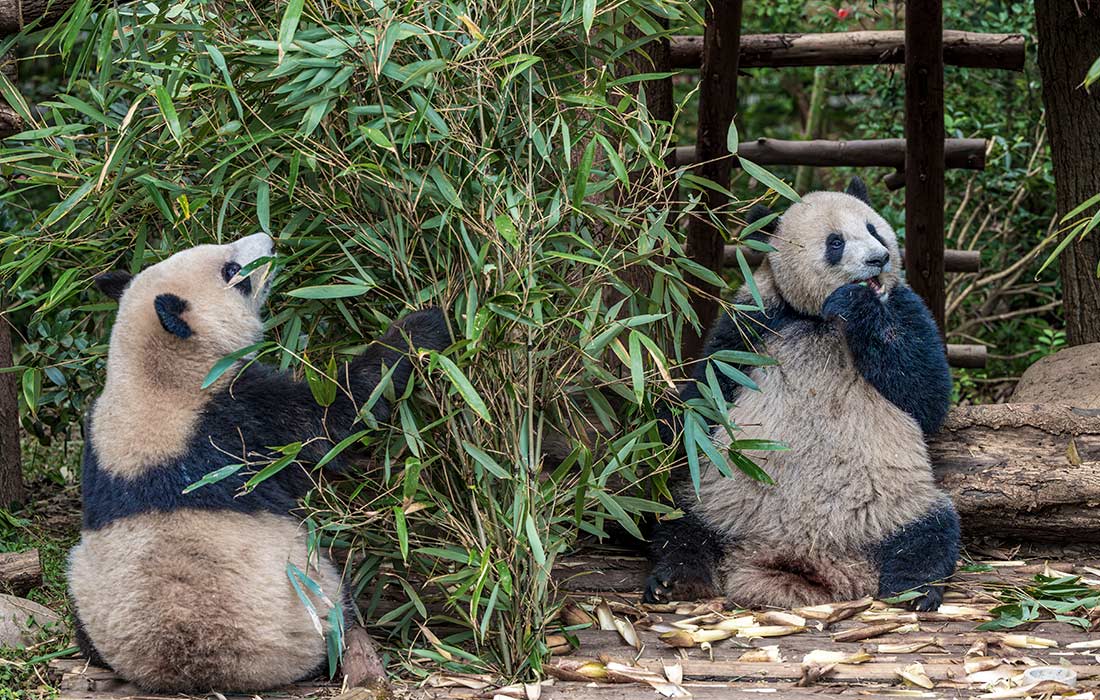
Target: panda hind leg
{"type": "Point", "coordinates": [791, 581]}
{"type": "Point", "coordinates": [84, 642]}
{"type": "Point", "coordinates": [920, 556]}
{"type": "Point", "coordinates": [684, 554]}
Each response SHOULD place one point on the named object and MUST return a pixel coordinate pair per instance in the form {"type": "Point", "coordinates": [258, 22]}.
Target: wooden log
{"type": "Point", "coordinates": [717, 106]}
{"type": "Point", "coordinates": [1022, 471]}
{"type": "Point", "coordinates": [20, 572]}
{"type": "Point", "coordinates": [966, 49]}
{"type": "Point", "coordinates": [17, 14]}
{"type": "Point", "coordinates": [967, 356]}
{"type": "Point", "coordinates": [925, 153]}
{"type": "Point", "coordinates": [863, 153]}
{"type": "Point", "coordinates": [953, 260]}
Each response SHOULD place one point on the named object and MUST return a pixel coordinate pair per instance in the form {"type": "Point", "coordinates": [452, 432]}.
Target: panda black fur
{"type": "Point", "coordinates": [188, 592]}
{"type": "Point", "coordinates": [861, 379]}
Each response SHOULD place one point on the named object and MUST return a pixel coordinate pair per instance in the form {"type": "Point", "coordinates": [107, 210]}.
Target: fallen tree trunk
{"type": "Point", "coordinates": [20, 572]}
{"type": "Point", "coordinates": [967, 49]}
{"type": "Point", "coordinates": [864, 153]}
{"type": "Point", "coordinates": [1022, 471]}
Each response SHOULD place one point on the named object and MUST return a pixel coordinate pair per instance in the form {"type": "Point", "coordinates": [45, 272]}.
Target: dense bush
{"type": "Point", "coordinates": [499, 161]}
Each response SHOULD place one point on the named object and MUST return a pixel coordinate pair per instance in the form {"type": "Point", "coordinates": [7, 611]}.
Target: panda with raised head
{"type": "Point", "coordinates": [861, 379]}
{"type": "Point", "coordinates": [183, 590]}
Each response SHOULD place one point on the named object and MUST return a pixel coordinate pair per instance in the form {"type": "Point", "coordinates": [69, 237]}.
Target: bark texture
{"type": "Point", "coordinates": [11, 461]}
{"type": "Point", "coordinates": [1069, 41]}
{"type": "Point", "coordinates": [16, 14]}
{"type": "Point", "coordinates": [20, 572]}
{"type": "Point", "coordinates": [1022, 471]}
{"type": "Point", "coordinates": [717, 106]}
{"type": "Point", "coordinates": [969, 49]}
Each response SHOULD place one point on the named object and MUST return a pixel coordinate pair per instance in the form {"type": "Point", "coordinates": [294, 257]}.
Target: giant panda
{"type": "Point", "coordinates": [187, 590]}
{"type": "Point", "coordinates": [861, 378]}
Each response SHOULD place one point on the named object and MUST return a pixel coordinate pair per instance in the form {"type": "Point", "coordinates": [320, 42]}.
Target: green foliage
{"type": "Point", "coordinates": [496, 161]}
{"type": "Point", "coordinates": [1063, 598]}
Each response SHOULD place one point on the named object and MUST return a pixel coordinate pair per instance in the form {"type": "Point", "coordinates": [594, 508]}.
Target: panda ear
{"type": "Point", "coordinates": [858, 189]}
{"type": "Point", "coordinates": [169, 307]}
{"type": "Point", "coordinates": [758, 212]}
{"type": "Point", "coordinates": [113, 283]}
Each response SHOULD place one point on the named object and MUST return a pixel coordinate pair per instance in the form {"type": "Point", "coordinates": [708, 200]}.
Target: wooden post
{"type": "Point", "coordinates": [924, 163]}
{"type": "Point", "coordinates": [717, 107]}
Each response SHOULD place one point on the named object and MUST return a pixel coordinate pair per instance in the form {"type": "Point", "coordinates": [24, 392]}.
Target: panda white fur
{"type": "Point", "coordinates": [182, 592]}
{"type": "Point", "coordinates": [861, 379]}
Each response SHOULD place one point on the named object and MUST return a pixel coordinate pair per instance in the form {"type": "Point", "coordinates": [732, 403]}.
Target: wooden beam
{"type": "Point", "coordinates": [924, 156]}
{"type": "Point", "coordinates": [717, 106]}
{"type": "Point", "coordinates": [953, 260]}
{"type": "Point", "coordinates": [966, 49]}
{"type": "Point", "coordinates": [867, 153]}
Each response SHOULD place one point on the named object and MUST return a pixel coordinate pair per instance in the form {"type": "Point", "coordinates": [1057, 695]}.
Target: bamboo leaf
{"type": "Point", "coordinates": [331, 291]}
{"type": "Point", "coordinates": [168, 111]}
{"type": "Point", "coordinates": [289, 25]}
{"type": "Point", "coordinates": [222, 366]}
{"type": "Point", "coordinates": [214, 476]}
{"type": "Point", "coordinates": [462, 384]}
{"type": "Point", "coordinates": [769, 180]}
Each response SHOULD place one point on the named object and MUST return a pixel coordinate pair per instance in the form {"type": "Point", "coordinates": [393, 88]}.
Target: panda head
{"type": "Point", "coordinates": [178, 317]}
{"type": "Point", "coordinates": [826, 241]}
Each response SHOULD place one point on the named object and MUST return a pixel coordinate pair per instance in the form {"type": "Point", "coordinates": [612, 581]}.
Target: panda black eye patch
{"type": "Point", "coordinates": [834, 248]}
{"type": "Point", "coordinates": [230, 270]}
{"type": "Point", "coordinates": [874, 234]}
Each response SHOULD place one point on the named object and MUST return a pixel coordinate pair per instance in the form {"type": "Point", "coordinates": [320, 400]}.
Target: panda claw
{"type": "Point", "coordinates": [930, 601]}
{"type": "Point", "coordinates": [654, 590]}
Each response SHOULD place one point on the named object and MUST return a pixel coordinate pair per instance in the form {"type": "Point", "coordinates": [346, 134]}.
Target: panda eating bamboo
{"type": "Point", "coordinates": [861, 379]}
{"type": "Point", "coordinates": [184, 589]}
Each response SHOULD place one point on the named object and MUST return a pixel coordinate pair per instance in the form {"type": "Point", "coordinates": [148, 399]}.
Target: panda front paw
{"type": "Point", "coordinates": [930, 601]}
{"type": "Point", "coordinates": [856, 300]}
{"type": "Point", "coordinates": [670, 582]}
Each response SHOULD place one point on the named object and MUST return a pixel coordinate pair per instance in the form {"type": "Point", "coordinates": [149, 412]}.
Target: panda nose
{"type": "Point", "coordinates": [880, 261]}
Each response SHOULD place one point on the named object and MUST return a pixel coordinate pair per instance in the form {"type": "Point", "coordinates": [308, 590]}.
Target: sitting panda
{"type": "Point", "coordinates": [182, 590]}
{"type": "Point", "coordinates": [861, 379]}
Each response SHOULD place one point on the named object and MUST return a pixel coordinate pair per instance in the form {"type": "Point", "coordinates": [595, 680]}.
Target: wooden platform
{"type": "Point", "coordinates": [856, 650]}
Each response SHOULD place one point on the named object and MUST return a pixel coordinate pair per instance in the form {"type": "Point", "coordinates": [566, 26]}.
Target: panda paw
{"type": "Point", "coordinates": [852, 301]}
{"type": "Point", "coordinates": [426, 329]}
{"type": "Point", "coordinates": [669, 583]}
{"type": "Point", "coordinates": [929, 601]}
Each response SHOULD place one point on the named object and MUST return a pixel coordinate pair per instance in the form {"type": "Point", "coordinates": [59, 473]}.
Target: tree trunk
{"type": "Point", "coordinates": [10, 123]}
{"type": "Point", "coordinates": [1022, 471]}
{"type": "Point", "coordinates": [16, 14]}
{"type": "Point", "coordinates": [1069, 42]}
{"type": "Point", "coordinates": [11, 461]}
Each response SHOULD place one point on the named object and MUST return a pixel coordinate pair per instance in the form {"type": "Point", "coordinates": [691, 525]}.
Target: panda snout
{"type": "Point", "coordinates": [880, 260]}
